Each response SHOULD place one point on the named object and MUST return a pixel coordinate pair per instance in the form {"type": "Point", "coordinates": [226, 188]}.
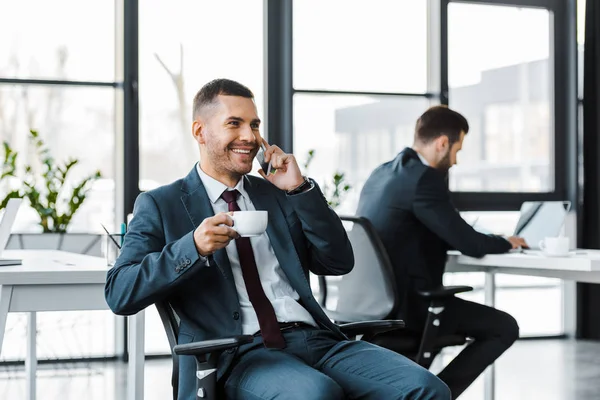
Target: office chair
{"type": "Point", "coordinates": [370, 289]}
{"type": "Point", "coordinates": [207, 352]}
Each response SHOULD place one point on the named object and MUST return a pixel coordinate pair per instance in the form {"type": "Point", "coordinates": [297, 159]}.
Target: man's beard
{"type": "Point", "coordinates": [220, 158]}
{"type": "Point", "coordinates": [444, 165]}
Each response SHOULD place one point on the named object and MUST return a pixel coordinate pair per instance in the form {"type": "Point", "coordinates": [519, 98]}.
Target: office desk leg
{"type": "Point", "coordinates": [31, 359]}
{"type": "Point", "coordinates": [489, 378]}
{"type": "Point", "coordinates": [135, 386]}
{"type": "Point", "coordinates": [5, 297]}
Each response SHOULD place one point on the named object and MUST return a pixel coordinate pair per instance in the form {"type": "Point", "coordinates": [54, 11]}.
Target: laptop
{"type": "Point", "coordinates": [6, 224]}
{"type": "Point", "coordinates": [541, 219]}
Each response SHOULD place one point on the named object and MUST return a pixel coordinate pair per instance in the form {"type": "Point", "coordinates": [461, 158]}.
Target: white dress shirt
{"type": "Point", "coordinates": [274, 282]}
{"type": "Point", "coordinates": [423, 160]}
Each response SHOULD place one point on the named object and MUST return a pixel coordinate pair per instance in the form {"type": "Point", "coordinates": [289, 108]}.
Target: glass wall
{"type": "Point", "coordinates": [341, 55]}
{"type": "Point", "coordinates": [501, 80]}
{"type": "Point", "coordinates": [62, 85]}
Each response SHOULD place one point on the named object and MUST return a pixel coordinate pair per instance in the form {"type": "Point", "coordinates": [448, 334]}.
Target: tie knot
{"type": "Point", "coordinates": [230, 196]}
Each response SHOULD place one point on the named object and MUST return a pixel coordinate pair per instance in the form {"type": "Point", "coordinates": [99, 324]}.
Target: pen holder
{"type": "Point", "coordinates": [112, 247]}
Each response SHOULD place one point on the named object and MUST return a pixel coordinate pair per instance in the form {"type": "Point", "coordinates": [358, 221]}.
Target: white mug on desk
{"type": "Point", "coordinates": [555, 246]}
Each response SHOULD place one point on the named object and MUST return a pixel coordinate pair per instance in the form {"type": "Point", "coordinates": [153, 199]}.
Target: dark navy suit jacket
{"type": "Point", "coordinates": [409, 205]}
{"type": "Point", "coordinates": [159, 260]}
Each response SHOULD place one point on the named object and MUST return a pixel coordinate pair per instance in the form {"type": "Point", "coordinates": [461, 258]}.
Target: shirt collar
{"type": "Point", "coordinates": [423, 160]}
{"type": "Point", "coordinates": [214, 188]}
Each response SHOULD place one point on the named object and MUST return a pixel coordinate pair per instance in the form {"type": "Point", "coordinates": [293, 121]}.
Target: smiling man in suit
{"type": "Point", "coordinates": [408, 202]}
{"type": "Point", "coordinates": [181, 247]}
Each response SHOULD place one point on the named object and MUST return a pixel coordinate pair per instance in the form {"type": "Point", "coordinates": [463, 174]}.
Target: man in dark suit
{"type": "Point", "coordinates": [182, 247]}
{"type": "Point", "coordinates": [408, 202]}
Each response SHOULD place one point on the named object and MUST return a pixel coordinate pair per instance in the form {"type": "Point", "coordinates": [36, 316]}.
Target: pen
{"type": "Point", "coordinates": [110, 236]}
{"type": "Point", "coordinates": [123, 231]}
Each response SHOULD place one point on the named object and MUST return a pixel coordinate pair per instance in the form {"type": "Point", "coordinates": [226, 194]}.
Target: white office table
{"type": "Point", "coordinates": [583, 266]}
{"type": "Point", "coordinates": [51, 280]}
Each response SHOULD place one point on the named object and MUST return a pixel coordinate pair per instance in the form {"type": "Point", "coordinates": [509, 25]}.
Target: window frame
{"type": "Point", "coordinates": [280, 92]}
{"type": "Point", "coordinates": [563, 54]}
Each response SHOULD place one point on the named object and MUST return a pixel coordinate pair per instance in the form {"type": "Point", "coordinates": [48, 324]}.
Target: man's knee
{"type": "Point", "coordinates": [311, 387]}
{"type": "Point", "coordinates": [509, 329]}
{"type": "Point", "coordinates": [427, 386]}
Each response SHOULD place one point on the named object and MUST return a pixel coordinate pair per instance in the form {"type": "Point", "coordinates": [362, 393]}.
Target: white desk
{"type": "Point", "coordinates": [59, 281]}
{"type": "Point", "coordinates": [583, 266]}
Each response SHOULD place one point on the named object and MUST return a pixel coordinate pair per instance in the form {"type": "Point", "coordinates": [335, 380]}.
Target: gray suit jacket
{"type": "Point", "coordinates": [159, 260]}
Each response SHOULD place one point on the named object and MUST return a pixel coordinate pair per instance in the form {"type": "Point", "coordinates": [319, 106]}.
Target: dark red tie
{"type": "Point", "coordinates": [269, 327]}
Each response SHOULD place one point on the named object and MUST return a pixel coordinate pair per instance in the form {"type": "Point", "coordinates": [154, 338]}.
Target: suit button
{"type": "Point", "coordinates": [236, 315]}
{"type": "Point", "coordinates": [231, 351]}
{"type": "Point", "coordinates": [188, 261]}
{"type": "Point", "coordinates": [178, 269]}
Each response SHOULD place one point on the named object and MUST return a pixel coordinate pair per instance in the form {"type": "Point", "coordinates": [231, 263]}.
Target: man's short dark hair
{"type": "Point", "coordinates": [438, 121]}
{"type": "Point", "coordinates": [209, 92]}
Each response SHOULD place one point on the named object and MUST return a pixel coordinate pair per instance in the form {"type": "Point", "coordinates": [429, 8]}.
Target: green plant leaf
{"type": "Point", "coordinates": [53, 202]}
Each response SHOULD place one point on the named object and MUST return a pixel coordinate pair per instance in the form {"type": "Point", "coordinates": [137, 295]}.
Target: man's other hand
{"type": "Point", "coordinates": [214, 233]}
{"type": "Point", "coordinates": [517, 242]}
{"type": "Point", "coordinates": [286, 172]}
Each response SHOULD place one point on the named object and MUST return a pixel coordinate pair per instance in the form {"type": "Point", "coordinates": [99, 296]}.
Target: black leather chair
{"type": "Point", "coordinates": [207, 352]}
{"type": "Point", "coordinates": [371, 289]}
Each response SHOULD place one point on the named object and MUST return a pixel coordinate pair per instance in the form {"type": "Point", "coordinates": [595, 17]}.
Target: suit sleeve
{"type": "Point", "coordinates": [329, 247]}
{"type": "Point", "coordinates": [432, 206]}
{"type": "Point", "coordinates": [147, 269]}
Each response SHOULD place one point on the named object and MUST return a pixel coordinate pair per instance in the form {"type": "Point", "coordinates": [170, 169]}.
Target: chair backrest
{"type": "Point", "coordinates": [171, 322]}
{"type": "Point", "coordinates": [369, 289]}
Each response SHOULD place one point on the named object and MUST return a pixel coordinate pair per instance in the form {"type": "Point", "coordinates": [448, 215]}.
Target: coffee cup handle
{"type": "Point", "coordinates": [542, 244]}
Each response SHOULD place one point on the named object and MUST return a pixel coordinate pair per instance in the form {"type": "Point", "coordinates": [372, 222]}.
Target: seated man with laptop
{"type": "Point", "coordinates": [408, 202]}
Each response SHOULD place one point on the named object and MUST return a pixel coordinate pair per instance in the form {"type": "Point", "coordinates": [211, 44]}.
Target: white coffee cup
{"type": "Point", "coordinates": [250, 223]}
{"type": "Point", "coordinates": [555, 246]}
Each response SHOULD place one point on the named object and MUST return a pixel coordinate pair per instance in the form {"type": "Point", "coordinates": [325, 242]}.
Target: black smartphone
{"type": "Point", "coordinates": [260, 156]}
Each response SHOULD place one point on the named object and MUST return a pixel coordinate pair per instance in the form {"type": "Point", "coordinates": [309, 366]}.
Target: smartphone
{"type": "Point", "coordinates": [260, 156]}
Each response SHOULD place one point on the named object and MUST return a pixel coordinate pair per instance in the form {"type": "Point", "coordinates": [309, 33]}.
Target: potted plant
{"type": "Point", "coordinates": [9, 167]}
{"type": "Point", "coordinates": [52, 196]}
{"type": "Point", "coordinates": [335, 191]}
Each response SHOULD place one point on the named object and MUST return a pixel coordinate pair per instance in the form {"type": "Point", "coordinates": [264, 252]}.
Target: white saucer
{"type": "Point", "coordinates": [542, 254]}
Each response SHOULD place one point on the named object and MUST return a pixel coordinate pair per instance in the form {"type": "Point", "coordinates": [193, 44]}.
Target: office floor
{"type": "Point", "coordinates": [544, 369]}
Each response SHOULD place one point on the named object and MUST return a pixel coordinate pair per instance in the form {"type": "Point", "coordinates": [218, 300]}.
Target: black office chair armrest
{"type": "Point", "coordinates": [443, 291]}
{"type": "Point", "coordinates": [369, 328]}
{"type": "Point", "coordinates": [211, 346]}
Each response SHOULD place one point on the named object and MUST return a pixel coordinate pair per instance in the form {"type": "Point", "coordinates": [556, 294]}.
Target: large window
{"type": "Point", "coordinates": [356, 99]}
{"type": "Point", "coordinates": [42, 39]}
{"type": "Point", "coordinates": [346, 58]}
{"type": "Point", "coordinates": [57, 76]}
{"type": "Point", "coordinates": [197, 41]}
{"type": "Point", "coordinates": [501, 80]}
{"type": "Point", "coordinates": [381, 46]}
{"type": "Point", "coordinates": [352, 134]}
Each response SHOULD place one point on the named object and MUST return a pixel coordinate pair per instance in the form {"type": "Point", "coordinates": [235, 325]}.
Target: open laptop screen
{"type": "Point", "coordinates": [8, 220]}
{"type": "Point", "coordinates": [540, 219]}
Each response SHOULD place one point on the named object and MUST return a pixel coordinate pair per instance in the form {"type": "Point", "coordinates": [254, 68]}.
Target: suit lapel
{"type": "Point", "coordinates": [198, 207]}
{"type": "Point", "coordinates": [278, 233]}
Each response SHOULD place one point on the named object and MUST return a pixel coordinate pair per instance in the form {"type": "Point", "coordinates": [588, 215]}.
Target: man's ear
{"type": "Point", "coordinates": [199, 131]}
{"type": "Point", "coordinates": [442, 143]}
